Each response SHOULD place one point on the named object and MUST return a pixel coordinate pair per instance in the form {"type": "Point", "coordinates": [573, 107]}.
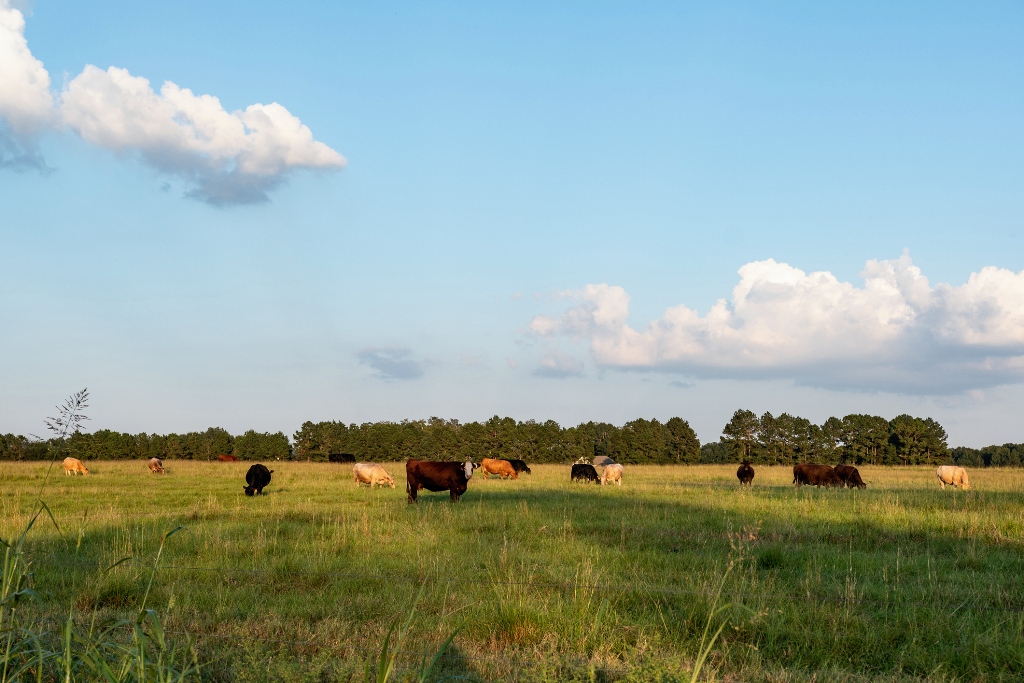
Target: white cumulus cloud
{"type": "Point", "coordinates": [26, 105]}
{"type": "Point", "coordinates": [896, 332]}
{"type": "Point", "coordinates": [226, 157]}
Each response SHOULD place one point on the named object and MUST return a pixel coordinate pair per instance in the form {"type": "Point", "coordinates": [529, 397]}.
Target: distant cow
{"type": "Point", "coordinates": [816, 475]}
{"type": "Point", "coordinates": [156, 466]}
{"type": "Point", "coordinates": [341, 457]}
{"type": "Point", "coordinates": [602, 461]}
{"type": "Point", "coordinates": [850, 477]}
{"type": "Point", "coordinates": [438, 476]}
{"type": "Point", "coordinates": [612, 474]}
{"type": "Point", "coordinates": [520, 466]}
{"type": "Point", "coordinates": [74, 466]}
{"type": "Point", "coordinates": [226, 458]}
{"type": "Point", "coordinates": [745, 473]}
{"type": "Point", "coordinates": [947, 474]}
{"type": "Point", "coordinates": [503, 468]}
{"type": "Point", "coordinates": [372, 474]}
{"type": "Point", "coordinates": [583, 472]}
{"type": "Point", "coordinates": [256, 479]}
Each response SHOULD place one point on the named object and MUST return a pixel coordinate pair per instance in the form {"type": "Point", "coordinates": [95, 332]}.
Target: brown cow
{"type": "Point", "coordinates": [745, 473]}
{"type": "Point", "coordinates": [156, 466]}
{"type": "Point", "coordinates": [438, 476]}
{"type": "Point", "coordinates": [226, 458]}
{"type": "Point", "coordinates": [503, 468]}
{"type": "Point", "coordinates": [74, 466]}
{"type": "Point", "coordinates": [816, 475]}
{"type": "Point", "coordinates": [850, 476]}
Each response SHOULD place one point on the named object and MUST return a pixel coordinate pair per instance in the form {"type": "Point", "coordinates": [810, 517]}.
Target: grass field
{"type": "Point", "coordinates": [545, 579]}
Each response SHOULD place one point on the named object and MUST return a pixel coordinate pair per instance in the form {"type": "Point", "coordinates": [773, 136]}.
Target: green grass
{"type": "Point", "coordinates": [545, 579]}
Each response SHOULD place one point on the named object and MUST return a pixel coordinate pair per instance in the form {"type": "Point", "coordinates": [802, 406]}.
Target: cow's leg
{"type": "Point", "coordinates": [454, 496]}
{"type": "Point", "coordinates": [410, 487]}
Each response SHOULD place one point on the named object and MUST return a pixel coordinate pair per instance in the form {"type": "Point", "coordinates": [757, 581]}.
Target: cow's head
{"type": "Point", "coordinates": [391, 481]}
{"type": "Point", "coordinates": [249, 490]}
{"type": "Point", "coordinates": [468, 468]}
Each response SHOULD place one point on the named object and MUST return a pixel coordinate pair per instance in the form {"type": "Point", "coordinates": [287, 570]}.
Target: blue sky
{"type": "Point", "coordinates": [500, 159]}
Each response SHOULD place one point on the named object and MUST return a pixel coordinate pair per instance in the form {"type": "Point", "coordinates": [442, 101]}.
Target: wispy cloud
{"type": "Point", "coordinates": [894, 333]}
{"type": "Point", "coordinates": [558, 365]}
{"type": "Point", "coordinates": [391, 362]}
{"type": "Point", "coordinates": [225, 157]}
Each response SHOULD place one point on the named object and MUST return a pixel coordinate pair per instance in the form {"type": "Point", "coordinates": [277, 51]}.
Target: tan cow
{"type": "Point", "coordinates": [503, 468]}
{"type": "Point", "coordinates": [371, 473]}
{"type": "Point", "coordinates": [612, 474]}
{"type": "Point", "coordinates": [954, 476]}
{"type": "Point", "coordinates": [156, 466]}
{"type": "Point", "coordinates": [74, 466]}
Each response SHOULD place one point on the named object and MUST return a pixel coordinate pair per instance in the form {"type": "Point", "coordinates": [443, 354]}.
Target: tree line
{"type": "Point", "coordinates": [105, 444]}
{"type": "Point", "coordinates": [766, 439]}
{"type": "Point", "coordinates": [854, 439]}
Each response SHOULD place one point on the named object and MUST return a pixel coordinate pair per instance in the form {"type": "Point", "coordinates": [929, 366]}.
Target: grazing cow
{"type": "Point", "coordinates": [341, 457]}
{"type": "Point", "coordinates": [947, 474]}
{"type": "Point", "coordinates": [256, 479]}
{"type": "Point", "coordinates": [438, 476]}
{"type": "Point", "coordinates": [371, 473]}
{"type": "Point", "coordinates": [156, 466]}
{"type": "Point", "coordinates": [850, 477]}
{"type": "Point", "coordinates": [503, 468]}
{"type": "Point", "coordinates": [817, 475]}
{"type": "Point", "coordinates": [745, 473]}
{"type": "Point", "coordinates": [602, 461]}
{"type": "Point", "coordinates": [226, 458]}
{"type": "Point", "coordinates": [612, 474]}
{"type": "Point", "coordinates": [74, 466]}
{"type": "Point", "coordinates": [583, 472]}
{"type": "Point", "coordinates": [520, 466]}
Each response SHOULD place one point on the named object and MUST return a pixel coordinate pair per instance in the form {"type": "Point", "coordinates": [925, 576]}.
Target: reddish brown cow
{"type": "Point", "coordinates": [503, 468]}
{"type": "Point", "coordinates": [850, 477]}
{"type": "Point", "coordinates": [226, 458]}
{"type": "Point", "coordinates": [438, 476]}
{"type": "Point", "coordinates": [156, 466]}
{"type": "Point", "coordinates": [816, 475]}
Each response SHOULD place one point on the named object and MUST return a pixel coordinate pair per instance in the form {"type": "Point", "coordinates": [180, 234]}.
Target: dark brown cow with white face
{"type": "Point", "coordinates": [438, 476]}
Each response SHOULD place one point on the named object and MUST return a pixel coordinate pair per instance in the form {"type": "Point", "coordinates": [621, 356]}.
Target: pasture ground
{"type": "Point", "coordinates": [548, 580]}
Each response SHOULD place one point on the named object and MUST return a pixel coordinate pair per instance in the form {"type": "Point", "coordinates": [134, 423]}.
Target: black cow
{"type": "Point", "coordinates": [256, 479]}
{"type": "Point", "coordinates": [745, 473]}
{"type": "Point", "coordinates": [583, 472]}
{"type": "Point", "coordinates": [438, 476]}
{"type": "Point", "coordinates": [816, 475]}
{"type": "Point", "coordinates": [341, 457]}
{"type": "Point", "coordinates": [850, 477]}
{"type": "Point", "coordinates": [520, 466]}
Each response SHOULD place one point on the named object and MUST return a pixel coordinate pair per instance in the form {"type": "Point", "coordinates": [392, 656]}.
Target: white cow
{"type": "Point", "coordinates": [612, 473]}
{"type": "Point", "coordinates": [954, 476]}
{"type": "Point", "coordinates": [371, 473]}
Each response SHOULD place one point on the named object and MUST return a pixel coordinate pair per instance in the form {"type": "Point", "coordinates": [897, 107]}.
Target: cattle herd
{"type": "Point", "coordinates": [454, 476]}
